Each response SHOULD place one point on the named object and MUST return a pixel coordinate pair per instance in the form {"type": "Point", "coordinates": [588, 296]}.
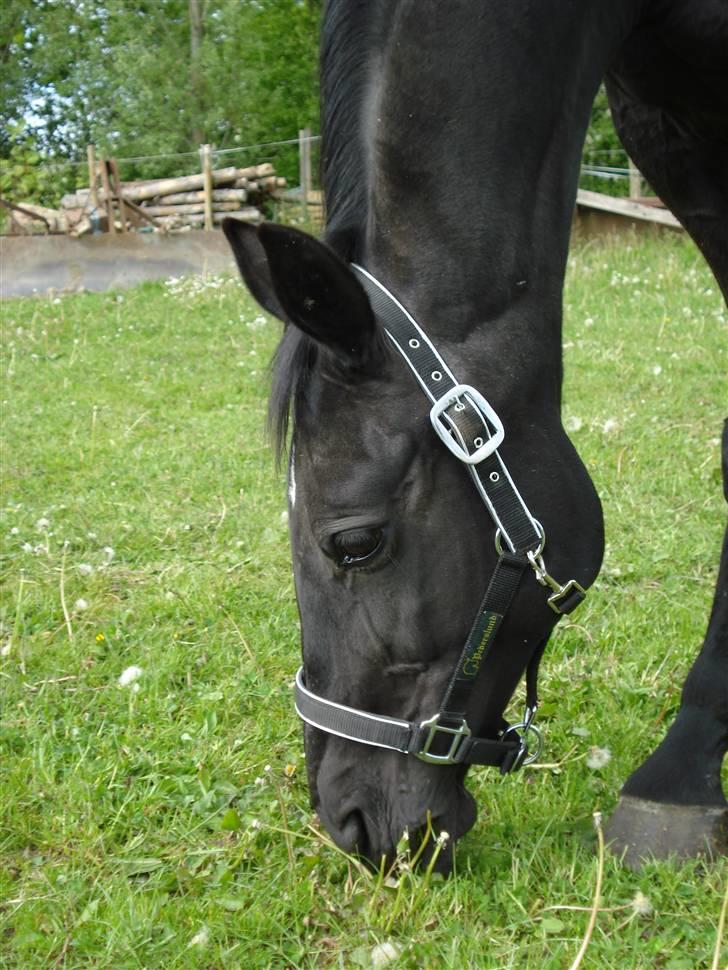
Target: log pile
{"type": "Point", "coordinates": [179, 203]}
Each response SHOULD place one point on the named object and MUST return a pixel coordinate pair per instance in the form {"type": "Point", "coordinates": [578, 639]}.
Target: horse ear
{"type": "Point", "coordinates": [312, 286]}
{"type": "Point", "coordinates": [253, 264]}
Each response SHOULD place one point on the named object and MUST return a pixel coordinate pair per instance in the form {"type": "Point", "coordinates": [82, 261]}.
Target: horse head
{"type": "Point", "coordinates": [392, 548]}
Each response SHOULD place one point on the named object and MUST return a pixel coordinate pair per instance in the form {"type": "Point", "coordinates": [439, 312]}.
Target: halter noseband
{"type": "Point", "coordinates": [470, 429]}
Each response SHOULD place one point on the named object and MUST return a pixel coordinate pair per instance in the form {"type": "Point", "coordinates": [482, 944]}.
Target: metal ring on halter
{"type": "Point", "coordinates": [536, 552]}
{"type": "Point", "coordinates": [528, 757]}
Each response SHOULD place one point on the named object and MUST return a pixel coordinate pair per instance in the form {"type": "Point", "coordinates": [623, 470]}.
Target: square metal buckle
{"type": "Point", "coordinates": [567, 590]}
{"type": "Point", "coordinates": [443, 431]}
{"type": "Point", "coordinates": [458, 735]}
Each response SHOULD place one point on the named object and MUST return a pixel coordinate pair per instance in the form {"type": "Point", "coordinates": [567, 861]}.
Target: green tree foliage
{"type": "Point", "coordinates": [603, 148]}
{"type": "Point", "coordinates": [120, 73]}
{"type": "Point", "coordinates": [24, 175]}
{"type": "Point", "coordinates": [138, 79]}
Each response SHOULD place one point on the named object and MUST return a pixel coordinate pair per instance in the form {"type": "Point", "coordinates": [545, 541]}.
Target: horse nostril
{"type": "Point", "coordinates": [352, 833]}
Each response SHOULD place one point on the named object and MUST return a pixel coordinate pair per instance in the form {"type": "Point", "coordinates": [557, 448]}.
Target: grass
{"type": "Point", "coordinates": [143, 525]}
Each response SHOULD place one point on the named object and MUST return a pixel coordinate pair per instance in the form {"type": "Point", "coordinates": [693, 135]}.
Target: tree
{"type": "Point", "coordinates": [159, 77]}
{"type": "Point", "coordinates": [150, 77]}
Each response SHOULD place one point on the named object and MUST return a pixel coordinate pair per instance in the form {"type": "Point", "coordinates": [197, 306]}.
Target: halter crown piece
{"type": "Point", "coordinates": [470, 429]}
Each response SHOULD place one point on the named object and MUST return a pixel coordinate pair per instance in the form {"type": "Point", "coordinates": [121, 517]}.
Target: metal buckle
{"type": "Point", "coordinates": [443, 431]}
{"type": "Point", "coordinates": [559, 591]}
{"type": "Point", "coordinates": [555, 599]}
{"type": "Point", "coordinates": [526, 726]}
{"type": "Point", "coordinates": [458, 734]}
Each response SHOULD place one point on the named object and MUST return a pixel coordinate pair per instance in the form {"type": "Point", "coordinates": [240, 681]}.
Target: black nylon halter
{"type": "Point", "coordinates": [472, 431]}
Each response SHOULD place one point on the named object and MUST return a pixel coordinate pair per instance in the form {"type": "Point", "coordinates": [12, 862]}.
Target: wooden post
{"type": "Point", "coordinates": [92, 174]}
{"type": "Point", "coordinates": [304, 159]}
{"type": "Point", "coordinates": [103, 165]}
{"type": "Point", "coordinates": [635, 181]}
{"type": "Point", "coordinates": [117, 192]}
{"type": "Point", "coordinates": [206, 154]}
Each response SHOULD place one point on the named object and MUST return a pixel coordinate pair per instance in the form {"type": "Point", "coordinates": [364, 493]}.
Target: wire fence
{"type": "Point", "coordinates": [603, 170]}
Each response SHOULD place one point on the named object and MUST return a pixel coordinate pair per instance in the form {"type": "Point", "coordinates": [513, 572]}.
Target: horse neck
{"type": "Point", "coordinates": [472, 133]}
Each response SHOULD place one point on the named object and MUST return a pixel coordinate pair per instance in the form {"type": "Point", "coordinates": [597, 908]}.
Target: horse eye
{"type": "Point", "coordinates": [356, 545]}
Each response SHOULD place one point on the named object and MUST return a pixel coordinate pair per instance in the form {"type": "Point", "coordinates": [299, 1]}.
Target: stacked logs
{"type": "Point", "coordinates": [179, 203]}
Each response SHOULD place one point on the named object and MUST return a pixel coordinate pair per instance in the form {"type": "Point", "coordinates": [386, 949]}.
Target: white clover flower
{"type": "Point", "coordinates": [657, 370]}
{"type": "Point", "coordinates": [610, 425]}
{"type": "Point", "coordinates": [443, 838]}
{"type": "Point", "coordinates": [641, 905]}
{"type": "Point", "coordinates": [14, 531]}
{"type": "Point", "coordinates": [85, 569]}
{"type": "Point", "coordinates": [42, 524]}
{"type": "Point", "coordinates": [128, 676]}
{"type": "Point", "coordinates": [384, 953]}
{"type": "Point", "coordinates": [598, 757]}
{"type": "Point", "coordinates": [5, 651]}
{"type": "Point", "coordinates": [200, 939]}
{"type": "Point", "coordinates": [81, 605]}
{"type": "Point", "coordinates": [27, 547]}
{"type": "Point", "coordinates": [108, 553]}
{"type": "Point", "coordinates": [256, 824]}
{"type": "Point", "coordinates": [573, 423]}
{"type": "Point", "coordinates": [259, 781]}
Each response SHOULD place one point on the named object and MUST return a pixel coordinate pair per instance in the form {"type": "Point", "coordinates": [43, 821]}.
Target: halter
{"type": "Point", "coordinates": [472, 431]}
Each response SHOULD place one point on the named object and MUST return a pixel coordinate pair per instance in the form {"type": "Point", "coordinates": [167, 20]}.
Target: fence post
{"type": "Point", "coordinates": [91, 158]}
{"type": "Point", "coordinates": [206, 155]}
{"type": "Point", "coordinates": [104, 166]}
{"type": "Point", "coordinates": [304, 166]}
{"type": "Point", "coordinates": [635, 181]}
{"type": "Point", "coordinates": [116, 183]}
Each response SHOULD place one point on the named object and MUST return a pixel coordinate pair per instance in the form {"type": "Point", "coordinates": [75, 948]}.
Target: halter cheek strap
{"type": "Point", "coordinates": [472, 431]}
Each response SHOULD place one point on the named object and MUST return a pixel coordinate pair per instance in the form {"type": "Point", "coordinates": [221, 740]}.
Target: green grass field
{"type": "Point", "coordinates": [165, 822]}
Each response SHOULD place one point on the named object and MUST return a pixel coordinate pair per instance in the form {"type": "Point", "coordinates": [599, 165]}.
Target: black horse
{"type": "Point", "coordinates": [393, 546]}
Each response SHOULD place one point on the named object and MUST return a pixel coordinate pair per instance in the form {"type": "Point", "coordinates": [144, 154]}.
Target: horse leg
{"type": "Point", "coordinates": [674, 804]}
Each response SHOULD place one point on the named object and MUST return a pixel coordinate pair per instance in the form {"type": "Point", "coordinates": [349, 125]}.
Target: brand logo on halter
{"type": "Point", "coordinates": [488, 624]}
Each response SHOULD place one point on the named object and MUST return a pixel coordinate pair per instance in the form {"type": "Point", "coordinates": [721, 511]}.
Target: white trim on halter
{"type": "Point", "coordinates": [417, 327]}
{"type": "Point", "coordinates": [473, 473]}
{"type": "Point", "coordinates": [360, 715]}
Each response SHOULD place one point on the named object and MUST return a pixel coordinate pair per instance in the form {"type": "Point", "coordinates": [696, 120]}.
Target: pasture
{"type": "Point", "coordinates": [162, 821]}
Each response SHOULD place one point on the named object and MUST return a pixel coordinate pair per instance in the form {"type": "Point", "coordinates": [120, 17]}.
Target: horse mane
{"type": "Point", "coordinates": [292, 365]}
{"type": "Point", "coordinates": [348, 37]}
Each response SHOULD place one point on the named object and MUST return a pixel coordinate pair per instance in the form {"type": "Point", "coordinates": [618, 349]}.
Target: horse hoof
{"type": "Point", "coordinates": [641, 830]}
